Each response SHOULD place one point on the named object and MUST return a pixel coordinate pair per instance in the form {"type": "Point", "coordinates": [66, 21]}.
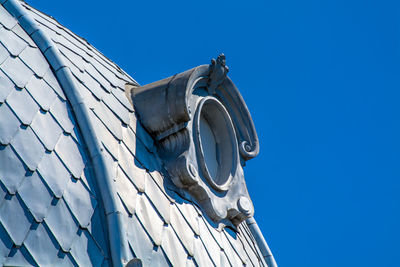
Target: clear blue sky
{"type": "Point", "coordinates": [322, 82]}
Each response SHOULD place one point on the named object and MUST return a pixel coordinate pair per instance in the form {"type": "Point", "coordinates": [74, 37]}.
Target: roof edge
{"type": "Point", "coordinates": [102, 171]}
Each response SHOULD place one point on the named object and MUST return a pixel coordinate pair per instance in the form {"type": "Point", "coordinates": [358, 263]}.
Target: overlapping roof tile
{"type": "Point", "coordinates": [81, 203]}
{"type": "Point", "coordinates": [138, 239]}
{"type": "Point", "coordinates": [39, 240]}
{"type": "Point", "coordinates": [19, 257]}
{"type": "Point", "coordinates": [23, 105]}
{"type": "Point", "coordinates": [36, 196]}
{"type": "Point", "coordinates": [54, 173]}
{"type": "Point", "coordinates": [13, 43]}
{"type": "Point", "coordinates": [40, 215]}
{"type": "Point", "coordinates": [20, 220]}
{"type": "Point", "coordinates": [162, 228]}
{"type": "Point", "coordinates": [62, 224]}
{"type": "Point", "coordinates": [150, 219]}
{"type": "Point", "coordinates": [3, 54]}
{"type": "Point", "coordinates": [28, 147]}
{"type": "Point", "coordinates": [126, 191]}
{"type": "Point", "coordinates": [6, 85]}
{"type": "Point", "coordinates": [169, 243]}
{"type": "Point", "coordinates": [41, 125]}
{"type": "Point", "coordinates": [9, 124]}
{"type": "Point", "coordinates": [35, 60]}
{"type": "Point", "coordinates": [70, 153]}
{"type": "Point", "coordinates": [41, 92]}
{"type": "Point", "coordinates": [6, 19]}
{"type": "Point", "coordinates": [12, 170]}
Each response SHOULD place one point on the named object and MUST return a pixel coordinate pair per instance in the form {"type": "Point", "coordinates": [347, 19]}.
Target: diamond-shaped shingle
{"type": "Point", "coordinates": [42, 246]}
{"type": "Point", "coordinates": [52, 81]}
{"type": "Point", "coordinates": [28, 147]}
{"type": "Point", "coordinates": [81, 203]}
{"type": "Point", "coordinates": [19, 257]}
{"type": "Point", "coordinates": [9, 124]}
{"type": "Point", "coordinates": [60, 111]}
{"type": "Point", "coordinates": [149, 218]}
{"type": "Point", "coordinates": [3, 54]}
{"type": "Point", "coordinates": [12, 42]}
{"type": "Point", "coordinates": [6, 86]}
{"type": "Point", "coordinates": [121, 96]}
{"type": "Point", "coordinates": [23, 35]}
{"type": "Point", "coordinates": [184, 232]}
{"type": "Point", "coordinates": [35, 60]}
{"type": "Point", "coordinates": [72, 56]}
{"type": "Point", "coordinates": [126, 191]}
{"type": "Point", "coordinates": [201, 256]}
{"type": "Point", "coordinates": [128, 165]}
{"type": "Point", "coordinates": [5, 244]}
{"type": "Point", "coordinates": [23, 105]}
{"type": "Point", "coordinates": [41, 125]}
{"type": "Point", "coordinates": [116, 107]}
{"type": "Point", "coordinates": [139, 241]}
{"type": "Point", "coordinates": [41, 92]}
{"type": "Point", "coordinates": [85, 251]}
{"type": "Point", "coordinates": [173, 248]}
{"type": "Point", "coordinates": [54, 173]}
{"type": "Point", "coordinates": [67, 149]}
{"type": "Point", "coordinates": [6, 19]}
{"type": "Point", "coordinates": [112, 123]}
{"type": "Point", "coordinates": [92, 85]}
{"type": "Point", "coordinates": [15, 218]}
{"type": "Point", "coordinates": [12, 170]}
{"type": "Point", "coordinates": [35, 196]}
{"type": "Point", "coordinates": [61, 224]}
{"type": "Point", "coordinates": [158, 198]}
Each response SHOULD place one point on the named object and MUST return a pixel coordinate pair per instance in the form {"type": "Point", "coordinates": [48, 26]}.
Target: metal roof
{"type": "Point", "coordinates": [52, 207]}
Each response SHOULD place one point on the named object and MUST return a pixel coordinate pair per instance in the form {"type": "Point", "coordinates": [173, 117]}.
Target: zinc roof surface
{"type": "Point", "coordinates": [51, 212]}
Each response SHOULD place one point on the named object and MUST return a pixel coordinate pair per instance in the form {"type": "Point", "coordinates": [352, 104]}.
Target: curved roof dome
{"type": "Point", "coordinates": [80, 182]}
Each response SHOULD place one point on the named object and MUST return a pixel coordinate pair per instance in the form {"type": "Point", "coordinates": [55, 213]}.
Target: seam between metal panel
{"type": "Point", "coordinates": [102, 171]}
{"type": "Point", "coordinates": [261, 243]}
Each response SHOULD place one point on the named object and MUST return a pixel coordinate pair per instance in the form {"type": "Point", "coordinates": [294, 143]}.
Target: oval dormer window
{"type": "Point", "coordinates": [216, 143]}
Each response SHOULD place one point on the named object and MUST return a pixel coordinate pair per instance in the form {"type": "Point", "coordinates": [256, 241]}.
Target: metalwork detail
{"type": "Point", "coordinates": [204, 133]}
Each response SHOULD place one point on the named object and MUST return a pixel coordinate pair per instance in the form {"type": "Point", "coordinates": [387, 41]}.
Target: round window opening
{"type": "Point", "coordinates": [216, 143]}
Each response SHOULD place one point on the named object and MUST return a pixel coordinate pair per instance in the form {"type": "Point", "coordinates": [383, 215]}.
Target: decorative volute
{"type": "Point", "coordinates": [204, 133]}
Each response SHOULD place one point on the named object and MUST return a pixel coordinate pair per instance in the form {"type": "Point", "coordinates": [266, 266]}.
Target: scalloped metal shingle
{"type": "Point", "coordinates": [61, 224]}
{"type": "Point", "coordinates": [23, 105]}
{"type": "Point", "coordinates": [21, 220]}
{"type": "Point", "coordinates": [80, 202]}
{"type": "Point", "coordinates": [36, 196]}
{"type": "Point", "coordinates": [35, 60]}
{"type": "Point", "coordinates": [28, 147]}
{"type": "Point", "coordinates": [41, 125]}
{"type": "Point", "coordinates": [41, 92]}
{"type": "Point", "coordinates": [65, 224]}
{"type": "Point", "coordinates": [6, 19]}
{"type": "Point", "coordinates": [9, 124]}
{"type": "Point", "coordinates": [14, 44]}
{"type": "Point", "coordinates": [39, 240]}
{"type": "Point", "coordinates": [12, 170]}
{"type": "Point", "coordinates": [54, 173]}
{"type": "Point", "coordinates": [38, 215]}
{"type": "Point", "coordinates": [6, 85]}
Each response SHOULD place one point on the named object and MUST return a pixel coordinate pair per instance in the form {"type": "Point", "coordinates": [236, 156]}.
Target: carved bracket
{"type": "Point", "coordinates": [204, 131]}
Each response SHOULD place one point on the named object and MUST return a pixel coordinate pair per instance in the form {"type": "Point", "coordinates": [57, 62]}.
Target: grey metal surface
{"type": "Point", "coordinates": [44, 211]}
{"type": "Point", "coordinates": [163, 226]}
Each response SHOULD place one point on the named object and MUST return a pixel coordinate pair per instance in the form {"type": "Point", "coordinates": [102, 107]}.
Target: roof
{"type": "Point", "coordinates": [53, 209]}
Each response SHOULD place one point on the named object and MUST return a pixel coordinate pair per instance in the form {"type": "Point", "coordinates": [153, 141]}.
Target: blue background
{"type": "Point", "coordinates": [321, 79]}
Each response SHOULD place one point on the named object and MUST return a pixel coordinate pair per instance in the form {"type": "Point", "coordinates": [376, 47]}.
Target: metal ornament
{"type": "Point", "coordinates": [205, 134]}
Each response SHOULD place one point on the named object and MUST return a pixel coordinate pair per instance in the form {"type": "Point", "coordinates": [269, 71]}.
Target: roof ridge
{"type": "Point", "coordinates": [78, 38]}
{"type": "Point", "coordinates": [118, 242]}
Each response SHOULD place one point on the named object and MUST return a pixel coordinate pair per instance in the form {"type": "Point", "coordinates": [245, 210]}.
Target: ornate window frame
{"type": "Point", "coordinates": [174, 111]}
